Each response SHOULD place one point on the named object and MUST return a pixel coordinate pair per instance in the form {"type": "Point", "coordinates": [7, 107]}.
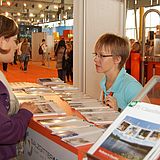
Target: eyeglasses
{"type": "Point", "coordinates": [101, 55]}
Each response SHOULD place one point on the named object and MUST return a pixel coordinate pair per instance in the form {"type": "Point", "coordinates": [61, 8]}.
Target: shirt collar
{"type": "Point", "coordinates": [116, 83]}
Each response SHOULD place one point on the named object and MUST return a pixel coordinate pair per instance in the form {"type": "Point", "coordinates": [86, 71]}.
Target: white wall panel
{"type": "Point", "coordinates": [92, 19]}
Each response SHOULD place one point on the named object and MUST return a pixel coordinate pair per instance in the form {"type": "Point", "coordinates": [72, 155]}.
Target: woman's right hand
{"type": "Point", "coordinates": [29, 106]}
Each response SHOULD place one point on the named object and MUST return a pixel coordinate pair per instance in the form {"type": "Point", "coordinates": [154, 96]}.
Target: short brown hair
{"type": "Point", "coordinates": [116, 45]}
{"type": "Point", "coordinates": [8, 28]}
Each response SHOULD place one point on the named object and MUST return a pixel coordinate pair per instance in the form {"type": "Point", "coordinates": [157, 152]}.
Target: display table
{"type": "Point", "coordinates": [40, 144]}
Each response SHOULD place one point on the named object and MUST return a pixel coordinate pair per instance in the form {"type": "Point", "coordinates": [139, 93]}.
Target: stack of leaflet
{"type": "Point", "coordinates": [22, 85]}
{"type": "Point", "coordinates": [94, 111]}
{"type": "Point", "coordinates": [38, 91]}
{"type": "Point", "coordinates": [50, 81]}
{"type": "Point", "coordinates": [72, 130]}
{"type": "Point", "coordinates": [64, 87]}
{"type": "Point", "coordinates": [44, 107]}
{"type": "Point", "coordinates": [70, 95]}
{"type": "Point", "coordinates": [135, 134]}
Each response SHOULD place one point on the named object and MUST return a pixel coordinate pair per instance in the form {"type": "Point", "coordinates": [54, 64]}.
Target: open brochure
{"type": "Point", "coordinates": [48, 108]}
{"type": "Point", "coordinates": [133, 135]}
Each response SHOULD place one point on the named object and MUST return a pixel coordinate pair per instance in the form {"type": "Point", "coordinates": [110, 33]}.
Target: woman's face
{"type": "Point", "coordinates": [104, 61]}
{"type": "Point", "coordinates": [10, 45]}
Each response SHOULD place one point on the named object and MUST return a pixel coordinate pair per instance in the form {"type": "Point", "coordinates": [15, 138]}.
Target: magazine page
{"type": "Point", "coordinates": [133, 135]}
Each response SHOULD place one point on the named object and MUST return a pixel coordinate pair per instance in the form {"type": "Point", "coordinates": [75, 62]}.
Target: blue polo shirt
{"type": "Point", "coordinates": [125, 88]}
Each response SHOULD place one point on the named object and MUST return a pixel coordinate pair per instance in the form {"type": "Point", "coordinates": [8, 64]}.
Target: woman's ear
{"type": "Point", "coordinates": [117, 59]}
{"type": "Point", "coordinates": [1, 41]}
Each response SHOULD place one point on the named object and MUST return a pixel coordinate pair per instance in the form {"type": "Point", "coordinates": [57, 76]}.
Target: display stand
{"type": "Point", "coordinates": [41, 144]}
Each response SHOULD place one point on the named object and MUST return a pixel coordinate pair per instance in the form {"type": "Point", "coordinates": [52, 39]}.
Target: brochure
{"type": "Point", "coordinates": [48, 108]}
{"type": "Point", "coordinates": [56, 120]}
{"type": "Point", "coordinates": [133, 135]}
{"type": "Point", "coordinates": [76, 132]}
{"type": "Point", "coordinates": [68, 125]}
{"type": "Point", "coordinates": [64, 87]}
{"type": "Point", "coordinates": [101, 118]}
{"type": "Point", "coordinates": [83, 139]}
{"type": "Point", "coordinates": [50, 81]}
{"type": "Point", "coordinates": [22, 85]}
{"type": "Point", "coordinates": [38, 91]}
{"type": "Point", "coordinates": [93, 110]}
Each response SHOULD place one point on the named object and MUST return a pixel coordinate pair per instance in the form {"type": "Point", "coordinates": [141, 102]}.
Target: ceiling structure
{"type": "Point", "coordinates": [37, 11]}
{"type": "Point", "coordinates": [52, 10]}
{"type": "Point", "coordinates": [131, 4]}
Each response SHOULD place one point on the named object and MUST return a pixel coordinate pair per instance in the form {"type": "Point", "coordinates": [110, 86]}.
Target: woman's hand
{"type": "Point", "coordinates": [29, 106]}
{"type": "Point", "coordinates": [111, 102]}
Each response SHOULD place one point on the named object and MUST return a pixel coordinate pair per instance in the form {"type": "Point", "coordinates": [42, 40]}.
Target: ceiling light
{"type": "Point", "coordinates": [24, 4]}
{"type": "Point", "coordinates": [18, 14]}
{"type": "Point", "coordinates": [42, 15]}
{"type": "Point", "coordinates": [8, 3]}
{"type": "Point", "coordinates": [69, 8]}
{"type": "Point", "coordinates": [31, 15]}
{"type": "Point", "coordinates": [39, 6]}
{"type": "Point", "coordinates": [55, 7]}
{"type": "Point", "coordinates": [18, 20]}
{"type": "Point", "coordinates": [135, 2]}
{"type": "Point", "coordinates": [53, 16]}
{"type": "Point", "coordinates": [6, 14]}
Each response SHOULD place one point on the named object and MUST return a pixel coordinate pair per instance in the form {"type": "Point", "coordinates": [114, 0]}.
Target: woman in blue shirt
{"type": "Point", "coordinates": [119, 88]}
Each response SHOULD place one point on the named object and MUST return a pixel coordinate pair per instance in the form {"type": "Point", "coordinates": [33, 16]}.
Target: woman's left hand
{"type": "Point", "coordinates": [111, 102]}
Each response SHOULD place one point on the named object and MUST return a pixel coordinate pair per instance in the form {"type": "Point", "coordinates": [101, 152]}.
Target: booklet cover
{"type": "Point", "coordinates": [134, 135]}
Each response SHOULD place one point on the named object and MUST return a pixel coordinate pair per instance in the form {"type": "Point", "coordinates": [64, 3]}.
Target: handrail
{"type": "Point", "coordinates": [143, 42]}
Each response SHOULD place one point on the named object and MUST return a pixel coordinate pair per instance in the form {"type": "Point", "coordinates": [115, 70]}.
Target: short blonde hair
{"type": "Point", "coordinates": [115, 45]}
